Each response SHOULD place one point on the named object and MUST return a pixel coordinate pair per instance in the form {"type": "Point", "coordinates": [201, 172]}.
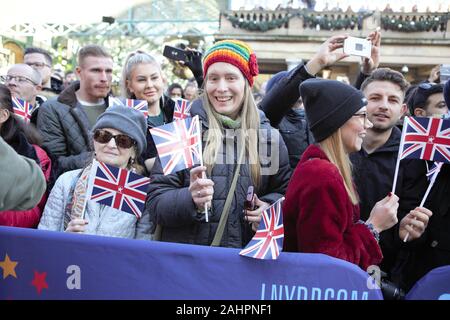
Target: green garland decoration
{"type": "Point", "coordinates": [253, 25]}
{"type": "Point", "coordinates": [313, 21]}
{"type": "Point", "coordinates": [343, 21]}
{"type": "Point", "coordinates": [430, 23]}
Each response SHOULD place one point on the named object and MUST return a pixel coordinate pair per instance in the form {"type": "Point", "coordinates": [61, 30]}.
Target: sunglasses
{"type": "Point", "coordinates": [122, 140]}
{"type": "Point", "coordinates": [428, 85]}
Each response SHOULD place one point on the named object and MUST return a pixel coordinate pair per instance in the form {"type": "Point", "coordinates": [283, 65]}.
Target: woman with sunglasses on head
{"type": "Point", "coordinates": [239, 145]}
{"type": "Point", "coordinates": [119, 140]}
{"type": "Point", "coordinates": [321, 211]}
{"type": "Point", "coordinates": [25, 140]}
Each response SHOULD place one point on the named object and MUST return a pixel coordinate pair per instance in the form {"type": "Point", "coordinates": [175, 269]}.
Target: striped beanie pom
{"type": "Point", "coordinates": [235, 52]}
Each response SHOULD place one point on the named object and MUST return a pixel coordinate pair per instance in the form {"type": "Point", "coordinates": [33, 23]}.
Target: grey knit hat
{"type": "Point", "coordinates": [127, 120]}
{"type": "Point", "coordinates": [329, 104]}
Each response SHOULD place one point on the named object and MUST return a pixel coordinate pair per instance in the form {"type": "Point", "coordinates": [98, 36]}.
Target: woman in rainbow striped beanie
{"type": "Point", "coordinates": [232, 126]}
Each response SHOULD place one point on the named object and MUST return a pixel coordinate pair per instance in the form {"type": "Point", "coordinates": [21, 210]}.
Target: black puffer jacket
{"type": "Point", "coordinates": [65, 129]}
{"type": "Point", "coordinates": [295, 132]}
{"type": "Point", "coordinates": [171, 206]}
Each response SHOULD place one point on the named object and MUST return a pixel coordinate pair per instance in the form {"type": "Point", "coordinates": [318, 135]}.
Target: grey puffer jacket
{"type": "Point", "coordinates": [103, 220]}
{"type": "Point", "coordinates": [170, 203]}
{"type": "Point", "coordinates": [65, 129]}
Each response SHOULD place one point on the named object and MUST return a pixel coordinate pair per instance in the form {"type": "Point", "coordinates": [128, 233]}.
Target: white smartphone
{"type": "Point", "coordinates": [357, 47]}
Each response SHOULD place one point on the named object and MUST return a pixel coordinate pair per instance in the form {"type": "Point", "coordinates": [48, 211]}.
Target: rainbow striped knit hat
{"type": "Point", "coordinates": [235, 52]}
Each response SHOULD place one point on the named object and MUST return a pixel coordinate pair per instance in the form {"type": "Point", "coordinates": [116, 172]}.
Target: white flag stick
{"type": "Point", "coordinates": [400, 150]}
{"type": "Point", "coordinates": [433, 179]}
{"type": "Point", "coordinates": [201, 159]}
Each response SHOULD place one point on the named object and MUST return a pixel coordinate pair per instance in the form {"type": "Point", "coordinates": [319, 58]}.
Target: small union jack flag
{"type": "Point", "coordinates": [267, 243]}
{"type": "Point", "coordinates": [426, 139]}
{"type": "Point", "coordinates": [22, 109]}
{"type": "Point", "coordinates": [118, 188]}
{"type": "Point", "coordinates": [178, 143]}
{"type": "Point", "coordinates": [140, 105]}
{"type": "Point", "coordinates": [182, 108]}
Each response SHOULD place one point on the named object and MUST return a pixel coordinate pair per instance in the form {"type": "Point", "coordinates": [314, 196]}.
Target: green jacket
{"type": "Point", "coordinates": [22, 182]}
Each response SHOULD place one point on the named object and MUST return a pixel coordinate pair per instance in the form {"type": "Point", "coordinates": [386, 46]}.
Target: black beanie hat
{"type": "Point", "coordinates": [328, 105]}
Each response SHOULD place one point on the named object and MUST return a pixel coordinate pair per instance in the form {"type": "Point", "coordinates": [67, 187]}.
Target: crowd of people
{"type": "Point", "coordinates": [329, 148]}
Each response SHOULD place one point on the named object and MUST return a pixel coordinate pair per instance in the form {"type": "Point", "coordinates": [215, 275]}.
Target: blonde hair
{"type": "Point", "coordinates": [333, 147]}
{"type": "Point", "coordinates": [249, 120]}
{"type": "Point", "coordinates": [133, 59]}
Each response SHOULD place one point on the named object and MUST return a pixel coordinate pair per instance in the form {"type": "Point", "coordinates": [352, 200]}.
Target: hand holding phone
{"type": "Point", "coordinates": [175, 53]}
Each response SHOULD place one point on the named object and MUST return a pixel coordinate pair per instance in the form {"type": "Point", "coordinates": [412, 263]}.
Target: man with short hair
{"type": "Point", "coordinates": [431, 249]}
{"type": "Point", "coordinates": [24, 82]}
{"type": "Point", "coordinates": [427, 100]}
{"type": "Point", "coordinates": [65, 122]}
{"type": "Point", "coordinates": [175, 91]}
{"type": "Point", "coordinates": [190, 92]}
{"type": "Point", "coordinates": [374, 165]}
{"type": "Point", "coordinates": [69, 78]}
{"type": "Point", "coordinates": [41, 60]}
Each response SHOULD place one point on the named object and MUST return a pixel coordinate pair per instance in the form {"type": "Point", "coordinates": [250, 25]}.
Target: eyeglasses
{"type": "Point", "coordinates": [38, 65]}
{"type": "Point", "coordinates": [19, 79]}
{"type": "Point", "coordinates": [363, 116]}
{"type": "Point", "coordinates": [122, 140]}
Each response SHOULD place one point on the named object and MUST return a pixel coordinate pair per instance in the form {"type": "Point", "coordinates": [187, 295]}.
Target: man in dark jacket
{"type": "Point", "coordinates": [65, 121]}
{"type": "Point", "coordinates": [375, 163]}
{"type": "Point", "coordinates": [432, 250]}
{"type": "Point", "coordinates": [293, 126]}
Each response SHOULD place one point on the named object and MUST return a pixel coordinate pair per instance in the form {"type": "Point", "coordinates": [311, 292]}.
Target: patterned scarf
{"type": "Point", "coordinates": [77, 197]}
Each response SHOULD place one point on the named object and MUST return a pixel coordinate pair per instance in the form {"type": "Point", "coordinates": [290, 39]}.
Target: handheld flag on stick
{"type": "Point", "coordinates": [140, 105]}
{"type": "Point", "coordinates": [22, 109]}
{"type": "Point", "coordinates": [424, 138]}
{"type": "Point", "coordinates": [182, 109]}
{"type": "Point", "coordinates": [118, 188]}
{"type": "Point", "coordinates": [267, 243]}
{"type": "Point", "coordinates": [179, 145]}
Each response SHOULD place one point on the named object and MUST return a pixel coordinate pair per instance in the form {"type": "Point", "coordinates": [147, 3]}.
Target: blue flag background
{"type": "Point", "coordinates": [38, 264]}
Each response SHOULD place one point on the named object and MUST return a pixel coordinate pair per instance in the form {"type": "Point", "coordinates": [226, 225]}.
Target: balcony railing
{"type": "Point", "coordinates": [310, 23]}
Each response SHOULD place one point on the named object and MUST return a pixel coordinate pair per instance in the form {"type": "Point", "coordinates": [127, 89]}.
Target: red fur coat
{"type": "Point", "coordinates": [319, 217]}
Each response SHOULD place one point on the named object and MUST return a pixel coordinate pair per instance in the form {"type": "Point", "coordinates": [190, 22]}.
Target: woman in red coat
{"type": "Point", "coordinates": [24, 139]}
{"type": "Point", "coordinates": [321, 211]}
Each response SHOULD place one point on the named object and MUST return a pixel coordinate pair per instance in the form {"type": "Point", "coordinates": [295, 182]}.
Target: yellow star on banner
{"type": "Point", "coordinates": [8, 267]}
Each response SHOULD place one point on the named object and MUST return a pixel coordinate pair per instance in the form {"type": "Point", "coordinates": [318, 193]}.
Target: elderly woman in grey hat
{"type": "Point", "coordinates": [119, 139]}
